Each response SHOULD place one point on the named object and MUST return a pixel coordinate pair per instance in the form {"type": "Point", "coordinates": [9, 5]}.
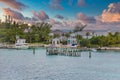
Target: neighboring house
{"type": "Point", "coordinates": [72, 42]}
{"type": "Point", "coordinates": [91, 33]}
{"type": "Point", "coordinates": [101, 33]}
{"type": "Point", "coordinates": [56, 42]}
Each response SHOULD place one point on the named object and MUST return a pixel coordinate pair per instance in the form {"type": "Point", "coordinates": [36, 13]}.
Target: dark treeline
{"type": "Point", "coordinates": [35, 33]}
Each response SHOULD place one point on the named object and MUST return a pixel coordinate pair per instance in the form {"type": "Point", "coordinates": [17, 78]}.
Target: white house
{"type": "Point", "coordinates": [21, 44]}
{"type": "Point", "coordinates": [56, 42]}
{"type": "Point", "coordinates": [20, 41]}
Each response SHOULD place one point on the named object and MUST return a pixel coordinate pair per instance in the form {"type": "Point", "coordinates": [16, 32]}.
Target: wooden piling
{"type": "Point", "coordinates": [89, 54]}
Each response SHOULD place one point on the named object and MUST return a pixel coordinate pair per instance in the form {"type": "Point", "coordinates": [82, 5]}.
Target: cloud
{"type": "Point", "coordinates": [14, 14]}
{"type": "Point", "coordinates": [81, 3]}
{"type": "Point", "coordinates": [108, 20]}
{"type": "Point", "coordinates": [59, 17]}
{"type": "Point", "coordinates": [56, 4]}
{"type": "Point", "coordinates": [69, 25]}
{"type": "Point", "coordinates": [112, 14]}
{"type": "Point", "coordinates": [17, 16]}
{"type": "Point", "coordinates": [85, 19]}
{"type": "Point", "coordinates": [104, 26]}
{"type": "Point", "coordinates": [41, 15]}
{"type": "Point", "coordinates": [14, 4]}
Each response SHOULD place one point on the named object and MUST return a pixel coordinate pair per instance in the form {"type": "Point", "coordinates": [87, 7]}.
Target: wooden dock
{"type": "Point", "coordinates": [63, 51]}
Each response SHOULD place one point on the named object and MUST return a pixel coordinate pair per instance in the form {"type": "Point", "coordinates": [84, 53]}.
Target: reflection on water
{"type": "Point", "coordinates": [26, 65]}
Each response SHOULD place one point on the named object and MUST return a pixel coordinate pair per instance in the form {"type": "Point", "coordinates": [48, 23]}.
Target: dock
{"type": "Point", "coordinates": [63, 51]}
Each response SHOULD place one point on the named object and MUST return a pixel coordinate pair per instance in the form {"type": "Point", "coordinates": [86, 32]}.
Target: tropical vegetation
{"type": "Point", "coordinates": [34, 33]}
{"type": "Point", "coordinates": [112, 39]}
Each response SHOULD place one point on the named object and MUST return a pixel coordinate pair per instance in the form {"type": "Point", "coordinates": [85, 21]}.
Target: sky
{"type": "Point", "coordinates": [65, 14]}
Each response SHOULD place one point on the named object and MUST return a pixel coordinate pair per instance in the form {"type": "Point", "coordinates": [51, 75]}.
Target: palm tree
{"type": "Point", "coordinates": [87, 34]}
{"type": "Point", "coordinates": [93, 33]}
{"type": "Point", "coordinates": [79, 27]}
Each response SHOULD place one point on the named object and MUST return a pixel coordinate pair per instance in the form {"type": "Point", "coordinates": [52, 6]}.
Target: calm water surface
{"type": "Point", "coordinates": [24, 65]}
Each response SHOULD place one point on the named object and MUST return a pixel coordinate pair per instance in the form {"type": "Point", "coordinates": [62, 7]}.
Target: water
{"type": "Point", "coordinates": [24, 65]}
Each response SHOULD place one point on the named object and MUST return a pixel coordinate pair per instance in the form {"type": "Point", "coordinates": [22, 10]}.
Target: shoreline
{"type": "Point", "coordinates": [37, 45]}
{"type": "Point", "coordinates": [109, 48]}
{"type": "Point", "coordinates": [30, 45]}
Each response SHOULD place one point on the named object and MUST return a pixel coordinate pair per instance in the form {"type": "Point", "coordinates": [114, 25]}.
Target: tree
{"type": "Point", "coordinates": [84, 43]}
{"type": "Point", "coordinates": [87, 34]}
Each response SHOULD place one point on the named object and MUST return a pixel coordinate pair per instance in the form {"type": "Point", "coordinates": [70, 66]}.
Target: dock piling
{"type": "Point", "coordinates": [33, 50]}
{"type": "Point", "coordinates": [90, 55]}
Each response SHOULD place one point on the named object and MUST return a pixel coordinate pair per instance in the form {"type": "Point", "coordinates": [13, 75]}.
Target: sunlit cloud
{"type": "Point", "coordinates": [112, 14]}
{"type": "Point", "coordinates": [14, 4]}
{"type": "Point", "coordinates": [12, 13]}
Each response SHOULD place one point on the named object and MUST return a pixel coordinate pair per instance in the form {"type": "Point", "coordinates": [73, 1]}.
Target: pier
{"type": "Point", "coordinates": [63, 51]}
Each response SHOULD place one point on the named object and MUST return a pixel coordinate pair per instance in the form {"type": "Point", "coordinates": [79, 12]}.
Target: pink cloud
{"type": "Point", "coordinates": [14, 4]}
{"type": "Point", "coordinates": [85, 19]}
{"type": "Point", "coordinates": [40, 15]}
{"type": "Point", "coordinates": [17, 16]}
{"type": "Point", "coordinates": [13, 14]}
{"type": "Point", "coordinates": [112, 14]}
